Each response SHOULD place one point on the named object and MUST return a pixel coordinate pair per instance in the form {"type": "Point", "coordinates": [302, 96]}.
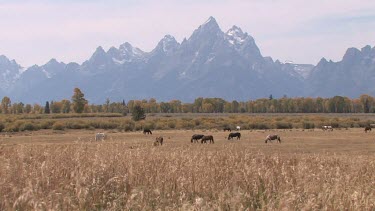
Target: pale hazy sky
{"type": "Point", "coordinates": [33, 32]}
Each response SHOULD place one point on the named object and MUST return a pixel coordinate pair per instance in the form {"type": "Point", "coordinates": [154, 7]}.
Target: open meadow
{"type": "Point", "coordinates": [67, 170]}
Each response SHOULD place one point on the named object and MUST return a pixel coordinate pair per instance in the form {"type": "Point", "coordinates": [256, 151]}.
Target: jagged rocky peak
{"type": "Point", "coordinates": [210, 24]}
{"type": "Point", "coordinates": [9, 65]}
{"type": "Point", "coordinates": [6, 61]}
{"type": "Point", "coordinates": [207, 30]}
{"type": "Point", "coordinates": [322, 61]}
{"type": "Point", "coordinates": [366, 50]}
{"type": "Point", "coordinates": [236, 31]}
{"type": "Point", "coordinates": [99, 53]}
{"type": "Point", "coordinates": [128, 50]}
{"type": "Point", "coordinates": [236, 36]}
{"type": "Point", "coordinates": [167, 44]}
{"type": "Point", "coordinates": [52, 62]}
{"type": "Point", "coordinates": [352, 54]}
{"type": "Point", "coordinates": [112, 51]}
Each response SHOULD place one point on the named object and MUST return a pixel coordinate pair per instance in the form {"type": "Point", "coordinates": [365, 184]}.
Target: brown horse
{"type": "Point", "coordinates": [273, 137]}
{"type": "Point", "coordinates": [227, 129]}
{"type": "Point", "coordinates": [207, 138]}
{"type": "Point", "coordinates": [158, 140]}
{"type": "Point", "coordinates": [367, 128]}
{"type": "Point", "coordinates": [196, 137]}
{"type": "Point", "coordinates": [147, 131]}
{"type": "Point", "coordinates": [232, 135]}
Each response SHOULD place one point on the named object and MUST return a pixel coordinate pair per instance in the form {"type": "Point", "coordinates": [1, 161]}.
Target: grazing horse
{"type": "Point", "coordinates": [273, 137]}
{"type": "Point", "coordinates": [158, 140]}
{"type": "Point", "coordinates": [227, 129]}
{"type": "Point", "coordinates": [368, 128]}
{"type": "Point", "coordinates": [327, 127]}
{"type": "Point", "coordinates": [238, 128]}
{"type": "Point", "coordinates": [147, 131]}
{"type": "Point", "coordinates": [232, 135]}
{"type": "Point", "coordinates": [207, 138]}
{"type": "Point", "coordinates": [196, 137]}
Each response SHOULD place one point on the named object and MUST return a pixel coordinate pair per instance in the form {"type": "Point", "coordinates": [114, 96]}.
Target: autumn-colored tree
{"type": "Point", "coordinates": [37, 109]}
{"type": "Point", "coordinates": [366, 101]}
{"type": "Point", "coordinates": [27, 109]}
{"type": "Point", "coordinates": [65, 107]}
{"type": "Point", "coordinates": [5, 105]}
{"type": "Point", "coordinates": [79, 101]}
{"type": "Point", "coordinates": [55, 107]}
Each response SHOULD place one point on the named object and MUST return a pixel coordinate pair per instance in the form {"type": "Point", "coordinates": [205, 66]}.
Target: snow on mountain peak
{"type": "Point", "coordinates": [168, 43]}
{"type": "Point", "coordinates": [127, 50]}
{"type": "Point", "coordinates": [235, 31]}
{"type": "Point", "coordinates": [236, 36]}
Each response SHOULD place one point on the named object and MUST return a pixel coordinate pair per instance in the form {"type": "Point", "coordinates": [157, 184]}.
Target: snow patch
{"type": "Point", "coordinates": [48, 75]}
{"type": "Point", "coordinates": [195, 57]}
{"type": "Point", "coordinates": [120, 62]}
{"type": "Point", "coordinates": [210, 59]}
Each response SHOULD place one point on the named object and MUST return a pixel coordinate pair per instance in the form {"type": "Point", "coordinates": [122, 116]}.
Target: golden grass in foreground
{"type": "Point", "coordinates": [129, 173]}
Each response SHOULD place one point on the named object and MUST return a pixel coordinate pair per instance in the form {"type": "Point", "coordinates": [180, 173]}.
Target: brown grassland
{"type": "Point", "coordinates": [67, 170]}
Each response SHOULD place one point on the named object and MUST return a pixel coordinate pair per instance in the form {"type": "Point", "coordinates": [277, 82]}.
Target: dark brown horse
{"type": "Point", "coordinates": [270, 138]}
{"type": "Point", "coordinates": [196, 137]}
{"type": "Point", "coordinates": [207, 138]}
{"type": "Point", "coordinates": [227, 129]}
{"type": "Point", "coordinates": [147, 131]}
{"type": "Point", "coordinates": [367, 128]}
{"type": "Point", "coordinates": [232, 135]}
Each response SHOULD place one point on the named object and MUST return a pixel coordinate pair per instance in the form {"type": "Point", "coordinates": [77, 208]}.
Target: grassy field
{"type": "Point", "coordinates": [68, 170]}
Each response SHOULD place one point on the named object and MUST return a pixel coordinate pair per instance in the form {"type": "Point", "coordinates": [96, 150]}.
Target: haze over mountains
{"type": "Point", "coordinates": [210, 63]}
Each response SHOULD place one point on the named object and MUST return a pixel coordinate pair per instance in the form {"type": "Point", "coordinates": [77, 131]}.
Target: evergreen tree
{"type": "Point", "coordinates": [46, 108]}
{"type": "Point", "coordinates": [138, 113]}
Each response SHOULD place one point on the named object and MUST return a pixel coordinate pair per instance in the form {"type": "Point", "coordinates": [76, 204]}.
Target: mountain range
{"type": "Point", "coordinates": [210, 63]}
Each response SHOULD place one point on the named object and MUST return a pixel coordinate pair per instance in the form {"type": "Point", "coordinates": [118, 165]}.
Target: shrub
{"type": "Point", "coordinates": [108, 125]}
{"type": "Point", "coordinates": [172, 124]}
{"type": "Point", "coordinates": [308, 125]}
{"type": "Point", "coordinates": [127, 125]}
{"type": "Point", "coordinates": [76, 125]}
{"type": "Point", "coordinates": [283, 125]}
{"type": "Point", "coordinates": [12, 127]}
{"type": "Point", "coordinates": [150, 125]}
{"type": "Point", "coordinates": [58, 126]}
{"type": "Point", "coordinates": [260, 126]}
{"type": "Point", "coordinates": [28, 126]}
{"type": "Point", "coordinates": [2, 126]}
{"type": "Point", "coordinates": [46, 124]}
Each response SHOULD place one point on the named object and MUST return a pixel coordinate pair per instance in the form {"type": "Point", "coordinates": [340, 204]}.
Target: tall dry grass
{"type": "Point", "coordinates": [115, 176]}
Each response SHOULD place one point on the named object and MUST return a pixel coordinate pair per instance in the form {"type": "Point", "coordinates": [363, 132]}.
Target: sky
{"type": "Point", "coordinates": [302, 31]}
